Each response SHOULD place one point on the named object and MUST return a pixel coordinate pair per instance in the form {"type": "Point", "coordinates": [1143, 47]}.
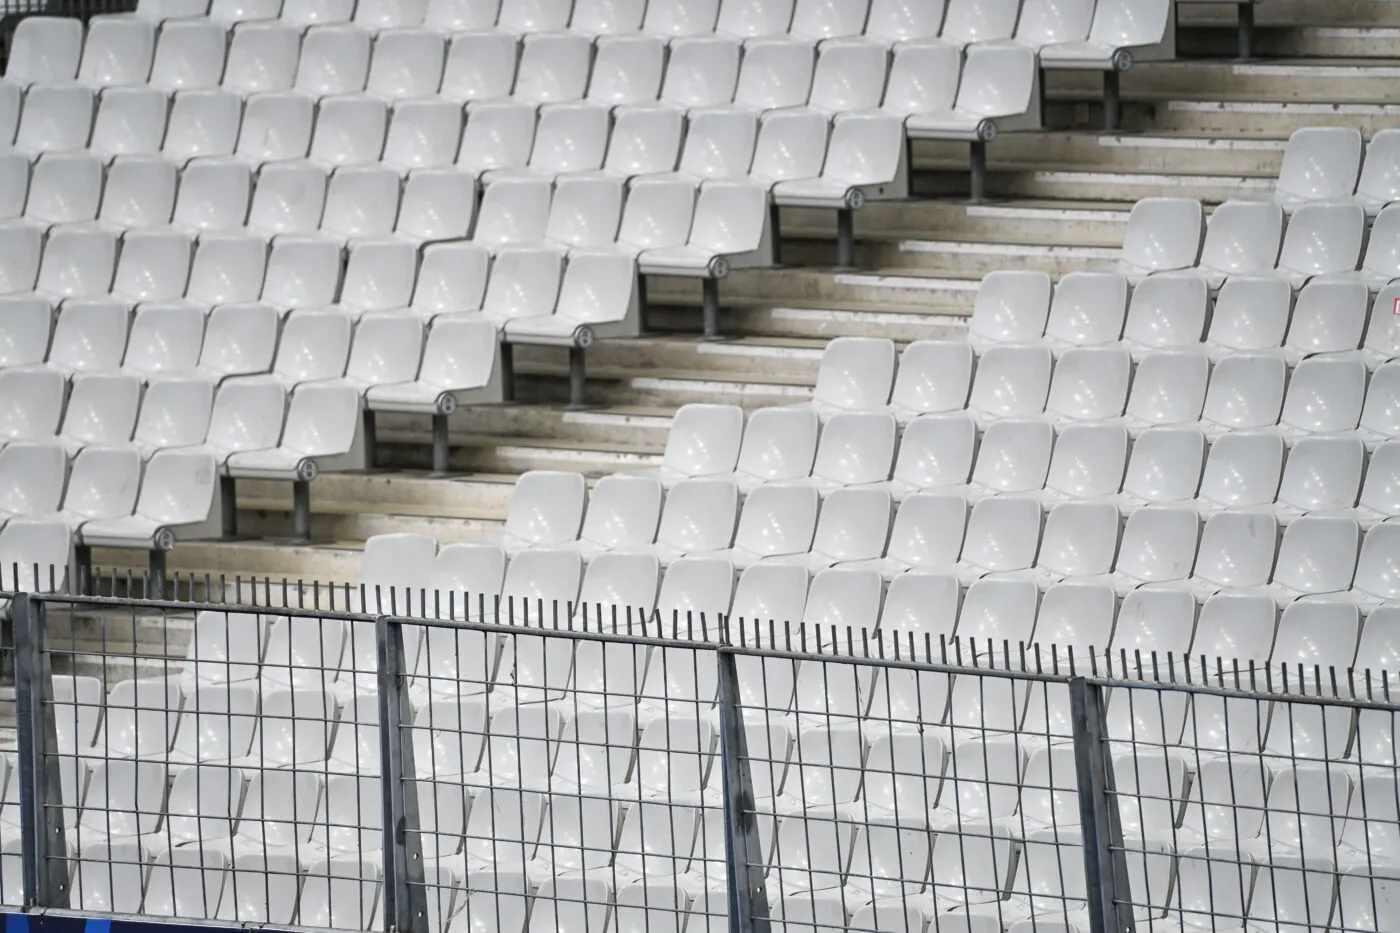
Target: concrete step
{"type": "Point", "coordinates": [333, 520]}
{"type": "Point", "coordinates": [1353, 80]}
{"type": "Point", "coordinates": [1293, 13]}
{"type": "Point", "coordinates": [269, 561]}
{"type": "Point", "coordinates": [794, 358]}
{"type": "Point", "coordinates": [1150, 152]}
{"type": "Point", "coordinates": [1277, 119]}
{"type": "Point", "coordinates": [412, 493]}
{"type": "Point", "coordinates": [671, 388]}
{"type": "Point", "coordinates": [817, 319]}
{"type": "Point", "coordinates": [1294, 41]}
{"type": "Point", "coordinates": [640, 425]}
{"type": "Point", "coordinates": [957, 256]}
{"type": "Point", "coordinates": [1090, 223]}
{"type": "Point", "coordinates": [1069, 181]}
{"type": "Point", "coordinates": [798, 286]}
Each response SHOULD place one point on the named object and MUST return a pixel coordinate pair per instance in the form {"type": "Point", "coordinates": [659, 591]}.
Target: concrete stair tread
{"type": "Point", "coordinates": [1070, 168]}
{"type": "Point", "coordinates": [815, 304]}
{"type": "Point", "coordinates": [339, 507]}
{"type": "Point", "coordinates": [621, 374]}
{"type": "Point", "coordinates": [496, 440]}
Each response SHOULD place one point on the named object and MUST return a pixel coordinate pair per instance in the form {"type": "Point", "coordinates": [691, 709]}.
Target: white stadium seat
{"type": "Point", "coordinates": [1242, 237]}
{"type": "Point", "coordinates": [965, 22]}
{"type": "Point", "coordinates": [117, 51]}
{"type": "Point", "coordinates": [1163, 235]}
{"type": "Point", "coordinates": [1322, 239]}
{"type": "Point", "coordinates": [1319, 164]}
{"type": "Point", "coordinates": [101, 410]}
{"type": "Point", "coordinates": [423, 134]}
{"type": "Point", "coordinates": [1011, 307]}
{"type": "Point", "coordinates": [64, 188]}
{"type": "Point", "coordinates": [189, 55]}
{"type": "Point", "coordinates": [933, 377]}
{"type": "Point", "coordinates": [262, 57]}
{"type": "Point", "coordinates": [1011, 382]}
{"type": "Point", "coordinates": [1328, 317]}
{"type": "Point", "coordinates": [1376, 185]}
{"type": "Point", "coordinates": [140, 193]}
{"type": "Point", "coordinates": [607, 17]}
{"type": "Point", "coordinates": [480, 66]}
{"type": "Point", "coordinates": [33, 403]}
{"type": "Point", "coordinates": [703, 440]}
{"type": "Point", "coordinates": [627, 69]}
{"type": "Point", "coordinates": [44, 50]}
{"type": "Point", "coordinates": [1122, 32]}
{"type": "Point", "coordinates": [678, 18]}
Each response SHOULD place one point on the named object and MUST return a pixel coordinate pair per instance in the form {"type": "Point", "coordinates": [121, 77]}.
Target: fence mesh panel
{"type": "Point", "coordinates": [555, 766]}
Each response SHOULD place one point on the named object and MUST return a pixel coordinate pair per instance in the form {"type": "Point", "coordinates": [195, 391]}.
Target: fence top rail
{"type": "Point", "coordinates": [1355, 687]}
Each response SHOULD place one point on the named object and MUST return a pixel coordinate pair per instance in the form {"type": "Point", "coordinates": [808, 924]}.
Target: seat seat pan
{"type": "Point", "coordinates": [676, 260]}
{"type": "Point", "coordinates": [812, 192]}
{"type": "Point", "coordinates": [945, 124]}
{"type": "Point", "coordinates": [551, 329]}
{"type": "Point", "coordinates": [132, 531]}
{"type": "Point", "coordinates": [1087, 55]}
{"type": "Point", "coordinates": [278, 463]}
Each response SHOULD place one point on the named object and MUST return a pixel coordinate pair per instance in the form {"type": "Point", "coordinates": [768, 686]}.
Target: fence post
{"type": "Point", "coordinates": [44, 855]}
{"type": "Point", "coordinates": [405, 899]}
{"type": "Point", "coordinates": [1105, 863]}
{"type": "Point", "coordinates": [748, 901]}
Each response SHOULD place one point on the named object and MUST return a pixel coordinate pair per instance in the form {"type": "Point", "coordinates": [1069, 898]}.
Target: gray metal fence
{"type": "Point", "coordinates": [522, 766]}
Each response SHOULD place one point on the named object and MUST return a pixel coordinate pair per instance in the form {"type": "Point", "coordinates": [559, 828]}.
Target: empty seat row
{"type": "Point", "coordinates": [600, 699]}
{"type": "Point", "coordinates": [1254, 238]}
{"type": "Point", "coordinates": [938, 532]}
{"type": "Point", "coordinates": [294, 408]}
{"type": "Point", "coordinates": [1245, 391]}
{"type": "Point", "coordinates": [401, 64]}
{"type": "Point", "coordinates": [1332, 163]}
{"type": "Point", "coordinates": [1300, 812]}
{"type": "Point", "coordinates": [270, 63]}
{"type": "Point", "coordinates": [1172, 465]}
{"type": "Point", "coordinates": [53, 50]}
{"type": "Point", "coordinates": [936, 551]}
{"type": "Point", "coordinates": [1239, 391]}
{"type": "Point", "coordinates": [99, 279]}
{"type": "Point", "coordinates": [1176, 311]}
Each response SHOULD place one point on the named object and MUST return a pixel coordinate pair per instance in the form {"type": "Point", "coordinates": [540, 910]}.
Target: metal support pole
{"type": "Point", "coordinates": [82, 566]}
{"type": "Point", "coordinates": [442, 452]}
{"type": "Point", "coordinates": [709, 306]}
{"type": "Point", "coordinates": [578, 378]}
{"type": "Point", "coordinates": [775, 224]}
{"type": "Point", "coordinates": [228, 499]}
{"type": "Point", "coordinates": [1112, 100]}
{"type": "Point", "coordinates": [405, 896]}
{"type": "Point", "coordinates": [507, 372]}
{"type": "Point", "coordinates": [44, 852]}
{"type": "Point", "coordinates": [301, 510]}
{"type": "Point", "coordinates": [978, 164]}
{"type": "Point", "coordinates": [748, 901]}
{"type": "Point", "coordinates": [155, 587]}
{"type": "Point", "coordinates": [1246, 30]}
{"type": "Point", "coordinates": [845, 238]}
{"type": "Point", "coordinates": [1105, 863]}
{"type": "Point", "coordinates": [371, 440]}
